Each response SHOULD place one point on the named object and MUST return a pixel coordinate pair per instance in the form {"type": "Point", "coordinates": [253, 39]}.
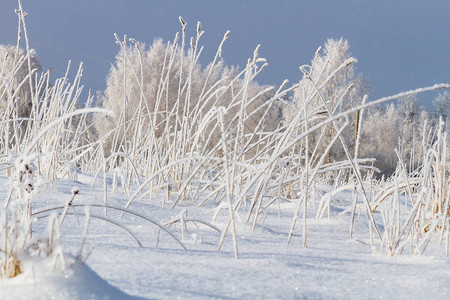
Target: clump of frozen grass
{"type": "Point", "coordinates": [415, 209]}
{"type": "Point", "coordinates": [17, 240]}
{"type": "Point", "coordinates": [410, 208]}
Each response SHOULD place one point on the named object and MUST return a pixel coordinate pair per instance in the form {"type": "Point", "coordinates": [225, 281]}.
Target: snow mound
{"type": "Point", "coordinates": [40, 280]}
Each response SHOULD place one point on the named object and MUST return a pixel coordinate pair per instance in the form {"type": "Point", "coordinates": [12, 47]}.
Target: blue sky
{"type": "Point", "coordinates": [399, 45]}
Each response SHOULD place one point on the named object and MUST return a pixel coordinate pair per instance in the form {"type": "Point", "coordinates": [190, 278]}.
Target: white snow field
{"type": "Point", "coordinates": [333, 266]}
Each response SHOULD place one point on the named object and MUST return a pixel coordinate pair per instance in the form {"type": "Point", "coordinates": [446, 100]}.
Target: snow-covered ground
{"type": "Point", "coordinates": [333, 266]}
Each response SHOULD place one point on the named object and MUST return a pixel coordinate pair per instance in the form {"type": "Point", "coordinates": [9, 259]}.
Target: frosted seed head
{"type": "Point", "coordinates": [284, 84]}
{"type": "Point", "coordinates": [350, 61]}
{"type": "Point", "coordinates": [136, 44]}
{"type": "Point", "coordinates": [318, 51]}
{"type": "Point", "coordinates": [117, 39]}
{"type": "Point", "coordinates": [256, 52]}
{"type": "Point", "coordinates": [183, 23]}
{"type": "Point", "coordinates": [303, 69]}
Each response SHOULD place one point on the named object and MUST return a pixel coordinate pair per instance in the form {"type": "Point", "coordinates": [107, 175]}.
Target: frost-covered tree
{"type": "Point", "coordinates": [442, 105]}
{"type": "Point", "coordinates": [328, 87]}
{"type": "Point", "coordinates": [143, 82]}
{"type": "Point", "coordinates": [413, 118]}
{"type": "Point", "coordinates": [380, 137]}
{"type": "Point", "coordinates": [16, 80]}
{"type": "Point", "coordinates": [409, 110]}
{"type": "Point", "coordinates": [164, 88]}
{"type": "Point", "coordinates": [406, 127]}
